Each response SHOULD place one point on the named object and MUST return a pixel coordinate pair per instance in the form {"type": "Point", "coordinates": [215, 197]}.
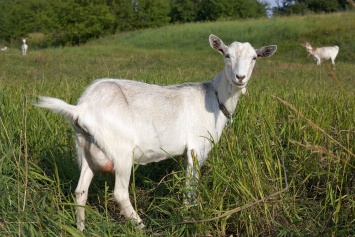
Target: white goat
{"type": "Point", "coordinates": [24, 47]}
{"type": "Point", "coordinates": [119, 122]}
{"type": "Point", "coordinates": [3, 48]}
{"type": "Point", "coordinates": [322, 53]}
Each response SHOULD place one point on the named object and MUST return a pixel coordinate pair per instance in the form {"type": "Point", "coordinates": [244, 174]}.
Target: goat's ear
{"type": "Point", "coordinates": [217, 44]}
{"type": "Point", "coordinates": [266, 51]}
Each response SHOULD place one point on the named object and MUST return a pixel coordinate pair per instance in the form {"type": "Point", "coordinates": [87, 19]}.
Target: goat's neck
{"type": "Point", "coordinates": [311, 50]}
{"type": "Point", "coordinates": [228, 95]}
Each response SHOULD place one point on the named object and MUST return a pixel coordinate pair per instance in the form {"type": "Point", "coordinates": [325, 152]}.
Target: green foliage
{"type": "Point", "coordinates": [216, 9]}
{"type": "Point", "coordinates": [212, 10]}
{"type": "Point", "coordinates": [124, 15]}
{"type": "Point", "coordinates": [74, 22]}
{"type": "Point", "coordinates": [300, 7]}
{"type": "Point", "coordinates": [16, 22]}
{"type": "Point", "coordinates": [297, 9]}
{"type": "Point", "coordinates": [323, 5]}
{"type": "Point", "coordinates": [184, 10]}
{"type": "Point", "coordinates": [250, 9]}
{"type": "Point", "coordinates": [38, 167]}
{"type": "Point", "coordinates": [151, 13]}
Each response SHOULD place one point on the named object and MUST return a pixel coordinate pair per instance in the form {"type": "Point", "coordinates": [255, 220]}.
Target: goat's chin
{"type": "Point", "coordinates": [239, 85]}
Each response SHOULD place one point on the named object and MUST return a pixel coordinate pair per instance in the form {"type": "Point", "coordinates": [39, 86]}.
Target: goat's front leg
{"type": "Point", "coordinates": [81, 193]}
{"type": "Point", "coordinates": [192, 175]}
{"type": "Point", "coordinates": [123, 173]}
{"type": "Point", "coordinates": [333, 61]}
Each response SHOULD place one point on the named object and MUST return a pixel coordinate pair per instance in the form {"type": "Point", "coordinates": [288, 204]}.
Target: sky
{"type": "Point", "coordinates": [272, 2]}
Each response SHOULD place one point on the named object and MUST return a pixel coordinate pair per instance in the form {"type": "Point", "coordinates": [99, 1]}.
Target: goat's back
{"type": "Point", "coordinates": [327, 52]}
{"type": "Point", "coordinates": [129, 96]}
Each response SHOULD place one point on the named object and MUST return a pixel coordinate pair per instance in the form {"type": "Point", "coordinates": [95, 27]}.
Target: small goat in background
{"type": "Point", "coordinates": [24, 47]}
{"type": "Point", "coordinates": [3, 48]}
{"type": "Point", "coordinates": [322, 53]}
{"type": "Point", "coordinates": [119, 122]}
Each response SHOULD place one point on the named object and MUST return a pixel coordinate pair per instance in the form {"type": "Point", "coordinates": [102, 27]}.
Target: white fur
{"type": "Point", "coordinates": [3, 48]}
{"type": "Point", "coordinates": [119, 122]}
{"type": "Point", "coordinates": [24, 47]}
{"type": "Point", "coordinates": [322, 53]}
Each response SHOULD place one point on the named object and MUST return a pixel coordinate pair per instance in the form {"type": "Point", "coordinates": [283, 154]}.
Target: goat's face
{"type": "Point", "coordinates": [239, 59]}
{"type": "Point", "coordinates": [308, 46]}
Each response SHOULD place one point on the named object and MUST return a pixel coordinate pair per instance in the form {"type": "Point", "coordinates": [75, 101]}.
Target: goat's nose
{"type": "Point", "coordinates": [240, 77]}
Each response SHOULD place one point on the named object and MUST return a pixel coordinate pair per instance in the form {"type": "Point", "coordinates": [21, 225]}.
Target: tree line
{"type": "Point", "coordinates": [73, 22]}
{"type": "Point", "coordinates": [300, 7]}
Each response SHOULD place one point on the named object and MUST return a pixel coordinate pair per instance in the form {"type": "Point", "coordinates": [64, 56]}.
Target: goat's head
{"type": "Point", "coordinates": [240, 59]}
{"type": "Point", "coordinates": [308, 46]}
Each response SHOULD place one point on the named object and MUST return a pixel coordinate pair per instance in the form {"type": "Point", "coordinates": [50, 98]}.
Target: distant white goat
{"type": "Point", "coordinates": [322, 53]}
{"type": "Point", "coordinates": [24, 47]}
{"type": "Point", "coordinates": [119, 122]}
{"type": "Point", "coordinates": [3, 48]}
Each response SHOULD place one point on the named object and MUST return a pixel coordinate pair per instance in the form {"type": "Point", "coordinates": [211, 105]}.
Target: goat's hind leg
{"type": "Point", "coordinates": [123, 166]}
{"type": "Point", "coordinates": [86, 175]}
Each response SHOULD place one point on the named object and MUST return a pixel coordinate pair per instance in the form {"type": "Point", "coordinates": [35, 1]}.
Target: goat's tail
{"type": "Point", "coordinates": [58, 106]}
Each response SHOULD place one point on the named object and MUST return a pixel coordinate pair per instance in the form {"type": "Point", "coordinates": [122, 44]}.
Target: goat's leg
{"type": "Point", "coordinates": [81, 193]}
{"type": "Point", "coordinates": [192, 168]}
{"type": "Point", "coordinates": [333, 61]}
{"type": "Point", "coordinates": [86, 175]}
{"type": "Point", "coordinates": [123, 173]}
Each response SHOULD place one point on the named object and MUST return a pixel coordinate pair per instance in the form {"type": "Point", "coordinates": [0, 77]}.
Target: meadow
{"type": "Point", "coordinates": [284, 167]}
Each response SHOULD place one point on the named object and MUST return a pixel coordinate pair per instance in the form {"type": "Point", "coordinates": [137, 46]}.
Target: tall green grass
{"type": "Point", "coordinates": [38, 171]}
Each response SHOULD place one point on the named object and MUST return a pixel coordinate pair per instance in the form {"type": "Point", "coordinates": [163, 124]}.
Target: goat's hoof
{"type": "Point", "coordinates": [141, 225]}
{"type": "Point", "coordinates": [191, 205]}
{"type": "Point", "coordinates": [80, 225]}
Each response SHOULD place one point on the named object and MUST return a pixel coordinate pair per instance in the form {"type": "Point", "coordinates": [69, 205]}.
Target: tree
{"type": "Point", "coordinates": [288, 7]}
{"type": "Point", "coordinates": [16, 19]}
{"type": "Point", "coordinates": [250, 9]}
{"type": "Point", "coordinates": [212, 10]}
{"type": "Point", "coordinates": [151, 13]}
{"type": "Point", "coordinates": [73, 22]}
{"type": "Point", "coordinates": [322, 5]}
{"type": "Point", "coordinates": [123, 11]}
{"type": "Point", "coordinates": [184, 10]}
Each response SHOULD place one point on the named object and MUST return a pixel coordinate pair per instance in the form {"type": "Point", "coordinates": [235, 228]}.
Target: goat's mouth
{"type": "Point", "coordinates": [239, 84]}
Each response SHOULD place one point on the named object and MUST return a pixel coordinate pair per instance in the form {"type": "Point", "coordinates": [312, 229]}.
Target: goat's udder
{"type": "Point", "coordinates": [108, 167]}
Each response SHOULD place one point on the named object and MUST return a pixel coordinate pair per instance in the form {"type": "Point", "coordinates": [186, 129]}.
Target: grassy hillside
{"type": "Point", "coordinates": [312, 132]}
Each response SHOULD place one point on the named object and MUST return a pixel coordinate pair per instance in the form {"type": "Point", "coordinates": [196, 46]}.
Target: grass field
{"type": "Point", "coordinates": [294, 113]}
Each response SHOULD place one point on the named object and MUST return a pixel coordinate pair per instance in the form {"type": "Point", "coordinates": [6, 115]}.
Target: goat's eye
{"type": "Point", "coordinates": [227, 56]}
{"type": "Point", "coordinates": [254, 58]}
